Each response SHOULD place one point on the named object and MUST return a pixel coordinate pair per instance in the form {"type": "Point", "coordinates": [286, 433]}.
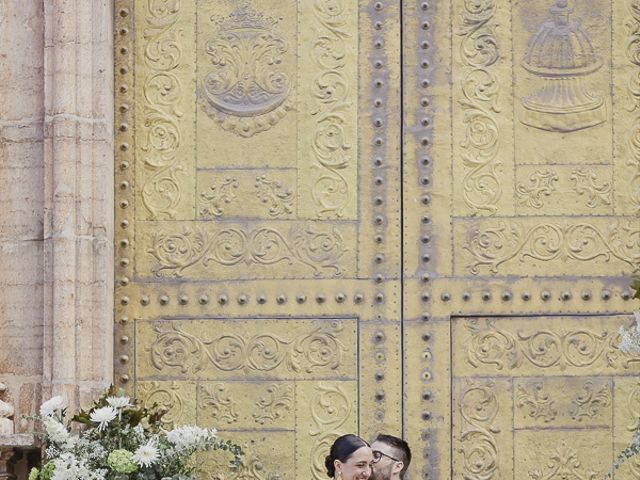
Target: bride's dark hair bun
{"type": "Point", "coordinates": [341, 450]}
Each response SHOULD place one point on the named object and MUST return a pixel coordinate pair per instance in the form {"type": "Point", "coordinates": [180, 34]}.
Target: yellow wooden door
{"type": "Point", "coordinates": [414, 217]}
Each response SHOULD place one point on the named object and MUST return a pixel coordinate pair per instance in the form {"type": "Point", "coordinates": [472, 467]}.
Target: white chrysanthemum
{"type": "Point", "coordinates": [119, 402]}
{"type": "Point", "coordinates": [102, 416]}
{"type": "Point", "coordinates": [57, 432]}
{"type": "Point", "coordinates": [188, 437]}
{"type": "Point", "coordinates": [53, 405]}
{"type": "Point", "coordinates": [146, 455]}
{"type": "Point", "coordinates": [630, 339]}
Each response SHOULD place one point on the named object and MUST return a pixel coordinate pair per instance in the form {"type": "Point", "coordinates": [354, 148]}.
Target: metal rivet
{"type": "Point", "coordinates": [378, 44]}
{"type": "Point", "coordinates": [124, 204]}
{"type": "Point", "coordinates": [378, 180]}
{"type": "Point", "coordinates": [425, 317]}
{"type": "Point", "coordinates": [358, 298]}
{"type": "Point", "coordinates": [424, 44]}
{"type": "Point", "coordinates": [378, 25]}
{"type": "Point", "coordinates": [377, 122]}
{"type": "Point", "coordinates": [379, 278]}
{"type": "Point", "coordinates": [377, 102]}
{"type": "Point", "coordinates": [425, 435]}
{"type": "Point", "coordinates": [124, 31]}
{"type": "Point", "coordinates": [625, 295]}
{"type": "Point", "coordinates": [378, 142]}
{"type": "Point", "coordinates": [379, 258]}
{"type": "Point", "coordinates": [605, 294]}
{"type": "Point", "coordinates": [466, 296]}
{"type": "Point", "coordinates": [378, 161]}
{"type": "Point", "coordinates": [506, 296]}
{"type": "Point", "coordinates": [379, 297]}
{"type": "Point", "coordinates": [425, 296]}
{"type": "Point", "coordinates": [526, 296]}
{"type": "Point", "coordinates": [585, 295]}
{"type": "Point", "coordinates": [242, 299]}
{"type": "Point", "coordinates": [378, 6]}
{"type": "Point", "coordinates": [124, 301]}
{"type": "Point", "coordinates": [261, 299]}
{"type": "Point", "coordinates": [486, 296]}
{"type": "Point", "coordinates": [164, 299]}
{"type": "Point", "coordinates": [123, 71]}
{"type": "Point", "coordinates": [565, 296]}
{"type": "Point", "coordinates": [124, 127]}
{"type": "Point", "coordinates": [424, 102]}
{"type": "Point", "coordinates": [124, 281]}
{"type": "Point", "coordinates": [426, 199]}
{"type": "Point", "coordinates": [124, 147]}
{"type": "Point", "coordinates": [425, 142]}
{"type": "Point", "coordinates": [425, 219]}
{"type": "Point", "coordinates": [425, 122]}
{"type": "Point", "coordinates": [378, 201]}
{"type": "Point", "coordinates": [426, 257]}
{"type": "Point", "coordinates": [340, 297]}
{"type": "Point", "coordinates": [425, 82]}
{"type": "Point", "coordinates": [379, 396]}
{"type": "Point", "coordinates": [124, 320]}
{"type": "Point", "coordinates": [425, 277]}
{"type": "Point", "coordinates": [145, 300]}
{"type": "Point", "coordinates": [378, 83]}
{"type": "Point", "coordinates": [124, 107]}
{"type": "Point", "coordinates": [320, 298]}
{"type": "Point", "coordinates": [223, 299]}
{"type": "Point", "coordinates": [124, 223]}
{"type": "Point", "coordinates": [424, 6]}
{"type": "Point", "coordinates": [378, 64]}
{"type": "Point", "coordinates": [124, 339]}
{"type": "Point", "coordinates": [124, 358]}
{"type": "Point", "coordinates": [281, 299]}
{"type": "Point", "coordinates": [124, 12]}
{"type": "Point", "coordinates": [124, 185]}
{"type": "Point", "coordinates": [426, 415]}
{"type": "Point", "coordinates": [378, 238]}
{"type": "Point", "coordinates": [426, 337]}
{"type": "Point", "coordinates": [183, 300]}
{"type": "Point", "coordinates": [124, 165]}
{"type": "Point", "coordinates": [425, 180]}
{"type": "Point", "coordinates": [425, 25]}
{"type": "Point", "coordinates": [426, 375]}
{"type": "Point", "coordinates": [124, 378]}
{"type": "Point", "coordinates": [426, 239]}
{"type": "Point", "coordinates": [379, 356]}
{"type": "Point", "coordinates": [124, 262]}
{"type": "Point", "coordinates": [379, 376]}
{"type": "Point", "coordinates": [379, 220]}
{"type": "Point", "coordinates": [545, 295]}
{"type": "Point", "coordinates": [124, 88]}
{"type": "Point", "coordinates": [379, 336]}
{"type": "Point", "coordinates": [203, 300]}
{"type": "Point", "coordinates": [424, 63]}
{"type": "Point", "coordinates": [301, 298]}
{"type": "Point", "coordinates": [445, 297]}
{"type": "Point", "coordinates": [426, 395]}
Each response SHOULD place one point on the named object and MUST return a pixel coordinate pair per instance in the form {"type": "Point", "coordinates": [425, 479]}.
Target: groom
{"type": "Point", "coordinates": [391, 458]}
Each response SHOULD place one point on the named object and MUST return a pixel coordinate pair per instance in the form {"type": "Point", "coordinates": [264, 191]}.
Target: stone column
{"type": "Point", "coordinates": [56, 200]}
{"type": "Point", "coordinates": [21, 200]}
{"type": "Point", "coordinates": [78, 198]}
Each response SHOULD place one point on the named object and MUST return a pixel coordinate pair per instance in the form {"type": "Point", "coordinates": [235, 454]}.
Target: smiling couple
{"type": "Point", "coordinates": [352, 458]}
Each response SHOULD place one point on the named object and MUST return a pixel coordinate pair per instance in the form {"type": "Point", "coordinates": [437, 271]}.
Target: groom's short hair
{"type": "Point", "coordinates": [400, 447]}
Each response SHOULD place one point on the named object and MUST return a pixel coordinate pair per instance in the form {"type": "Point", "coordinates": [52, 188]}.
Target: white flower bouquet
{"type": "Point", "coordinates": [121, 440]}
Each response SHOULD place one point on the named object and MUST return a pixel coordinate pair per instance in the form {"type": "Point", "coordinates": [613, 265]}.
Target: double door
{"type": "Point", "coordinates": [371, 216]}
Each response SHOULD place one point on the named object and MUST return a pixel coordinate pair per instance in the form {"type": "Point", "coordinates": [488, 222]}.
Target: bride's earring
{"type": "Point", "coordinates": [339, 474]}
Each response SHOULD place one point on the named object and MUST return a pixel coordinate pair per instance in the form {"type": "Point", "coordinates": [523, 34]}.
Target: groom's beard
{"type": "Point", "coordinates": [381, 474]}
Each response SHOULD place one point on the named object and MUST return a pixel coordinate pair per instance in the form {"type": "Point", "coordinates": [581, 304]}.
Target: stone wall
{"type": "Point", "coordinates": [56, 199]}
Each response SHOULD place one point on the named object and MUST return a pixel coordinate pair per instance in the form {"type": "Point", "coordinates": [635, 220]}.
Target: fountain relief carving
{"type": "Point", "coordinates": [561, 55]}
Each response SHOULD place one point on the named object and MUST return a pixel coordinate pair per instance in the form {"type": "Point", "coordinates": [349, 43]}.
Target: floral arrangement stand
{"type": "Point", "coordinates": [120, 439]}
{"type": "Point", "coordinates": [12, 445]}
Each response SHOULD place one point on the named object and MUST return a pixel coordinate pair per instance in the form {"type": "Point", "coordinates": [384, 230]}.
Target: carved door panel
{"type": "Point", "coordinates": [258, 220]}
{"type": "Point", "coordinates": [522, 170]}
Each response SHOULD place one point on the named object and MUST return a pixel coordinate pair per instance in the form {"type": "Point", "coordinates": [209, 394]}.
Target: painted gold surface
{"type": "Point", "coordinates": [322, 229]}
